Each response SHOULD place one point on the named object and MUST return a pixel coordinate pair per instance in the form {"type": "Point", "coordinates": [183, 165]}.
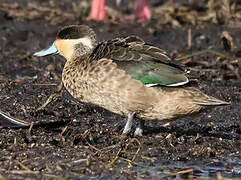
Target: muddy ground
{"type": "Point", "coordinates": [75, 140]}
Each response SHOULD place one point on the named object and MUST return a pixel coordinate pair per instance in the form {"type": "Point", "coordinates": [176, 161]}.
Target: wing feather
{"type": "Point", "coordinates": [144, 62]}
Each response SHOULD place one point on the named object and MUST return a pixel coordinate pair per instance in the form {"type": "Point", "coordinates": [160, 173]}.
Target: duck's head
{"type": "Point", "coordinates": [72, 41]}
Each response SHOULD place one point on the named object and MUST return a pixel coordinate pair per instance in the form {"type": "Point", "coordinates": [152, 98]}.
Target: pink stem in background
{"type": "Point", "coordinates": [98, 11]}
{"type": "Point", "coordinates": [141, 10]}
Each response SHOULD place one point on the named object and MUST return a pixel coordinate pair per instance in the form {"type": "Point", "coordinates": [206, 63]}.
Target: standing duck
{"type": "Point", "coordinates": [126, 76]}
{"type": "Point", "coordinates": [141, 10]}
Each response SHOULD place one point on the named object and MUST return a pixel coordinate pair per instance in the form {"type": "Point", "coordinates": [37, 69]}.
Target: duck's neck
{"type": "Point", "coordinates": [82, 52]}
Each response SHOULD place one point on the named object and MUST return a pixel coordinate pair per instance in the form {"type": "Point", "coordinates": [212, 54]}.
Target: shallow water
{"type": "Point", "coordinates": [229, 168]}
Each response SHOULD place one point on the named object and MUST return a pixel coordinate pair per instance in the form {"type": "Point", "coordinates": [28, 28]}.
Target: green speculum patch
{"type": "Point", "coordinates": [150, 80]}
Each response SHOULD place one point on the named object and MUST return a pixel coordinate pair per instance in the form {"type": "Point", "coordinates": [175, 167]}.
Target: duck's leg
{"type": "Point", "coordinates": [141, 11]}
{"type": "Point", "coordinates": [139, 128]}
{"type": "Point", "coordinates": [129, 123]}
{"type": "Point", "coordinates": [98, 11]}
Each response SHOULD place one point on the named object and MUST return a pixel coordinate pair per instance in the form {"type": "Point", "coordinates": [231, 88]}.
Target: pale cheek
{"type": "Point", "coordinates": [66, 51]}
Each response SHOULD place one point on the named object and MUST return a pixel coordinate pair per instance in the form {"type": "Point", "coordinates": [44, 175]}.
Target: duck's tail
{"type": "Point", "coordinates": [176, 102]}
{"type": "Point", "coordinates": [206, 100]}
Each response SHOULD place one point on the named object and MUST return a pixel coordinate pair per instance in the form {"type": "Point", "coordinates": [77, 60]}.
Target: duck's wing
{"type": "Point", "coordinates": [144, 62]}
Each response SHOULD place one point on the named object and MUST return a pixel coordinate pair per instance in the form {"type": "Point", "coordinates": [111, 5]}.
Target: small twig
{"type": "Point", "coordinates": [15, 140]}
{"type": "Point", "coordinates": [127, 171]}
{"type": "Point", "coordinates": [64, 130]}
{"type": "Point", "coordinates": [79, 161]}
{"type": "Point", "coordinates": [30, 128]}
{"type": "Point", "coordinates": [45, 84]}
{"type": "Point", "coordinates": [82, 169]}
{"type": "Point", "coordinates": [138, 150]}
{"type": "Point", "coordinates": [52, 96]}
{"type": "Point", "coordinates": [189, 38]}
{"type": "Point", "coordinates": [200, 53]}
{"type": "Point", "coordinates": [49, 100]}
{"type": "Point", "coordinates": [236, 61]}
{"type": "Point", "coordinates": [130, 161]}
{"type": "Point", "coordinates": [106, 149]}
{"type": "Point", "coordinates": [23, 166]}
{"type": "Point", "coordinates": [93, 147]}
{"type": "Point", "coordinates": [109, 165]}
{"type": "Point", "coordinates": [143, 157]}
{"type": "Point", "coordinates": [88, 160]}
{"type": "Point", "coordinates": [25, 171]}
{"type": "Point", "coordinates": [53, 176]}
{"type": "Point", "coordinates": [180, 172]}
{"type": "Point", "coordinates": [23, 108]}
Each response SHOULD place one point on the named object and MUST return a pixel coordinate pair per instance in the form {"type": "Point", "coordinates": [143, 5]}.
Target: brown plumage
{"type": "Point", "coordinates": [115, 75]}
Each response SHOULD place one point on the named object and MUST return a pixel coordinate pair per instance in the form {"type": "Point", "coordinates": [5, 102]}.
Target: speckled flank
{"type": "Point", "coordinates": [94, 74]}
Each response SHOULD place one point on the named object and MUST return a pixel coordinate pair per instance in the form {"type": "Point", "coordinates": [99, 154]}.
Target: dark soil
{"type": "Point", "coordinates": [75, 140]}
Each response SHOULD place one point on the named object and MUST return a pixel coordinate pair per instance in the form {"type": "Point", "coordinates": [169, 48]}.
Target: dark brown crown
{"type": "Point", "coordinates": [75, 32]}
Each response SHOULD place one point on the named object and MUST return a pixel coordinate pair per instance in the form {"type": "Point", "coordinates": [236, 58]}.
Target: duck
{"type": "Point", "coordinates": [141, 10]}
{"type": "Point", "coordinates": [126, 76]}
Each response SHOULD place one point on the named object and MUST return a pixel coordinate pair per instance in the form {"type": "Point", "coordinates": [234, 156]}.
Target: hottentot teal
{"type": "Point", "coordinates": [126, 76]}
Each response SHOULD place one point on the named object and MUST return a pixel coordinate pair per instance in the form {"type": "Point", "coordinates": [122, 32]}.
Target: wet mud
{"type": "Point", "coordinates": [70, 139]}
